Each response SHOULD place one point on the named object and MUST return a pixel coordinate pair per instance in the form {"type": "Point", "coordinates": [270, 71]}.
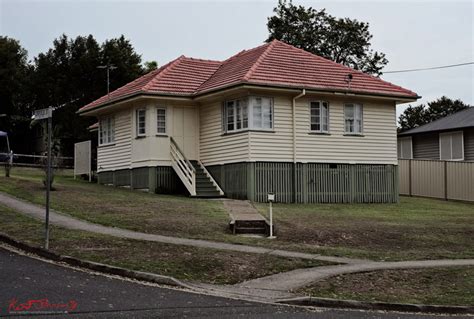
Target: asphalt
{"type": "Point", "coordinates": [98, 296]}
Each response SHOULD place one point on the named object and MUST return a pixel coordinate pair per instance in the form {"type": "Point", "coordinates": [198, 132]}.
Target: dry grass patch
{"type": "Point", "coordinates": [441, 286]}
{"type": "Point", "coordinates": [182, 262]}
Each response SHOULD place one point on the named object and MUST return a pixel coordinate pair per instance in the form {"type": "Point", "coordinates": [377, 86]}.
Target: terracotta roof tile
{"type": "Point", "coordinates": [275, 63]}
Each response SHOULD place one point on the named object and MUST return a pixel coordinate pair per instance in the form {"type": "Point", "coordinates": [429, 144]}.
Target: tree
{"type": "Point", "coordinates": [415, 116]}
{"type": "Point", "coordinates": [345, 41]}
{"type": "Point", "coordinates": [443, 107]}
{"type": "Point", "coordinates": [14, 92]}
{"type": "Point", "coordinates": [67, 74]}
{"type": "Point", "coordinates": [412, 117]}
{"type": "Point", "coordinates": [150, 66]}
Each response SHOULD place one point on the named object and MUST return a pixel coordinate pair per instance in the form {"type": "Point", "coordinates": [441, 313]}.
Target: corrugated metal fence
{"type": "Point", "coordinates": [438, 179]}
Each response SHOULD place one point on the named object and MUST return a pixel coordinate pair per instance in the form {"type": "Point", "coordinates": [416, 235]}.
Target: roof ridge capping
{"type": "Point", "coordinates": [228, 60]}
{"type": "Point", "coordinates": [165, 69]}
{"type": "Point", "coordinates": [260, 59]}
{"type": "Point", "coordinates": [345, 66]}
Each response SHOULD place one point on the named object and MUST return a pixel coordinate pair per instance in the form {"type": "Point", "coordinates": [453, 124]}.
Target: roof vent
{"type": "Point", "coordinates": [348, 80]}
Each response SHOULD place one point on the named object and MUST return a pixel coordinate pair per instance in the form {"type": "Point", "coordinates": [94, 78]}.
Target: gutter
{"type": "Point", "coordinates": [293, 108]}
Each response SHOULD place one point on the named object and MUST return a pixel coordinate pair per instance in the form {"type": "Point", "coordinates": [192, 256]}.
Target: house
{"type": "Point", "coordinates": [450, 138]}
{"type": "Point", "coordinates": [270, 119]}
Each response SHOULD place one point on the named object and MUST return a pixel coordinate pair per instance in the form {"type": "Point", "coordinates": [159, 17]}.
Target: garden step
{"type": "Point", "coordinates": [250, 223]}
{"type": "Point", "coordinates": [251, 230]}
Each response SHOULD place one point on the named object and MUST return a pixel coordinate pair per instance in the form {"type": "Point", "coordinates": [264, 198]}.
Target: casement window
{"type": "Point", "coordinates": [405, 148]}
{"type": "Point", "coordinates": [236, 115]}
{"type": "Point", "coordinates": [161, 120]}
{"type": "Point", "coordinates": [319, 113]}
{"type": "Point", "coordinates": [451, 146]}
{"type": "Point", "coordinates": [353, 118]}
{"type": "Point", "coordinates": [106, 130]}
{"type": "Point", "coordinates": [248, 113]}
{"type": "Point", "coordinates": [141, 122]}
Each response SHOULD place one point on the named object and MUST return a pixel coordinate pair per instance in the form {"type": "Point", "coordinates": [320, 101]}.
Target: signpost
{"type": "Point", "coordinates": [271, 198]}
{"type": "Point", "coordinates": [41, 115]}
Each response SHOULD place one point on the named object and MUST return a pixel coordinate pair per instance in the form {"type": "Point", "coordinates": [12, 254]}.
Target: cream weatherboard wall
{"type": "Point", "coordinates": [131, 151]}
{"type": "Point", "coordinates": [198, 132]}
{"type": "Point", "coordinates": [154, 148]}
{"type": "Point", "coordinates": [215, 147]}
{"type": "Point", "coordinates": [117, 155]}
{"type": "Point", "coordinates": [378, 145]}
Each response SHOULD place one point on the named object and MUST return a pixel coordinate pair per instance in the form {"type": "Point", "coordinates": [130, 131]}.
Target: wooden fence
{"type": "Point", "coordinates": [438, 179]}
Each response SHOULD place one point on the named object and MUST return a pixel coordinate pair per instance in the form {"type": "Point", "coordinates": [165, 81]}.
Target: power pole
{"type": "Point", "coordinates": [108, 67]}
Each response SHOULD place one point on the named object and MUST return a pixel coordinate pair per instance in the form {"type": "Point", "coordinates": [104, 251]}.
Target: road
{"type": "Point", "coordinates": [25, 280]}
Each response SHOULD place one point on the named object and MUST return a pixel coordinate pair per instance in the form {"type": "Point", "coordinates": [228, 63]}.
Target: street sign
{"type": "Point", "coordinates": [43, 113]}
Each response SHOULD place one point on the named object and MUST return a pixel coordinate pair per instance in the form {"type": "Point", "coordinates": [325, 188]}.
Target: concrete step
{"type": "Point", "coordinates": [251, 230]}
{"type": "Point", "coordinates": [250, 223]}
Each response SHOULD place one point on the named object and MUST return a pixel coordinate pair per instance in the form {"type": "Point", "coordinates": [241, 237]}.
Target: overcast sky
{"type": "Point", "coordinates": [413, 34]}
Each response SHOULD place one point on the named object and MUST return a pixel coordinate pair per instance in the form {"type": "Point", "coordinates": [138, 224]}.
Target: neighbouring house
{"type": "Point", "coordinates": [450, 138]}
{"type": "Point", "coordinates": [270, 119]}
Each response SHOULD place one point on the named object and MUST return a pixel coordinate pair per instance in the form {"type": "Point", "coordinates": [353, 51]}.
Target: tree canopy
{"type": "Point", "coordinates": [415, 116]}
{"type": "Point", "coordinates": [343, 40]}
{"type": "Point", "coordinates": [67, 74]}
{"type": "Point", "coordinates": [15, 108]}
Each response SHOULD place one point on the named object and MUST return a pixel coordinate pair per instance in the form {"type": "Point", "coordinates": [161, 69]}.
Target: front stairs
{"type": "Point", "coordinates": [205, 185]}
{"type": "Point", "coordinates": [195, 177]}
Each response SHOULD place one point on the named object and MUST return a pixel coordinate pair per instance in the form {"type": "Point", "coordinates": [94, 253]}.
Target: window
{"type": "Point", "coordinates": [405, 150]}
{"type": "Point", "coordinates": [353, 118]}
{"type": "Point", "coordinates": [253, 113]}
{"type": "Point", "coordinates": [451, 146]}
{"type": "Point", "coordinates": [237, 115]}
{"type": "Point", "coordinates": [319, 116]}
{"type": "Point", "coordinates": [141, 122]}
{"type": "Point", "coordinates": [161, 120]}
{"type": "Point", "coordinates": [262, 114]}
{"type": "Point", "coordinates": [106, 130]}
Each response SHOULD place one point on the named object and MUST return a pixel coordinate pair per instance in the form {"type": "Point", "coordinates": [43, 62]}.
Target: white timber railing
{"type": "Point", "coordinates": [183, 167]}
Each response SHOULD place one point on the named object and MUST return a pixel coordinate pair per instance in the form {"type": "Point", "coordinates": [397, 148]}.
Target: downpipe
{"type": "Point", "coordinates": [303, 93]}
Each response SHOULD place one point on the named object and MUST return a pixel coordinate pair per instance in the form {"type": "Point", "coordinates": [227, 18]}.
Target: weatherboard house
{"type": "Point", "coordinates": [270, 119]}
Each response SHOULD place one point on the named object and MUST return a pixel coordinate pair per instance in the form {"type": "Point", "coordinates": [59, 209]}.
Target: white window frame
{"type": "Point", "coordinates": [354, 119]}
{"type": "Point", "coordinates": [321, 105]}
{"type": "Point", "coordinates": [450, 134]}
{"type": "Point", "coordinates": [243, 112]}
{"type": "Point", "coordinates": [106, 131]}
{"type": "Point", "coordinates": [161, 108]}
{"type": "Point", "coordinates": [252, 119]}
{"type": "Point", "coordinates": [137, 122]}
{"type": "Point", "coordinates": [400, 154]}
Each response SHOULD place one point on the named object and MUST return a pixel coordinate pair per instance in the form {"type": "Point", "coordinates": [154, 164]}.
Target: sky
{"type": "Point", "coordinates": [412, 34]}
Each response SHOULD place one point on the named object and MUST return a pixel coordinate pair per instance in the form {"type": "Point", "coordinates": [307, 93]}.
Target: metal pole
{"type": "Point", "coordinates": [271, 220]}
{"type": "Point", "coordinates": [48, 182]}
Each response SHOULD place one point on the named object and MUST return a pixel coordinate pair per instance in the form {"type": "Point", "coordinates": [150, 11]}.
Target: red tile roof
{"type": "Point", "coordinates": [272, 64]}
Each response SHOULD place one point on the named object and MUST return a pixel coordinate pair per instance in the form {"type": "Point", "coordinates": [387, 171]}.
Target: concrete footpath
{"type": "Point", "coordinates": [272, 287]}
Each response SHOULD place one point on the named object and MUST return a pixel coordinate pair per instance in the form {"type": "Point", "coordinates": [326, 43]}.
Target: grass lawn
{"type": "Point", "coordinates": [119, 207]}
{"type": "Point", "coordinates": [186, 263]}
{"type": "Point", "coordinates": [416, 228]}
{"type": "Point", "coordinates": [442, 286]}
